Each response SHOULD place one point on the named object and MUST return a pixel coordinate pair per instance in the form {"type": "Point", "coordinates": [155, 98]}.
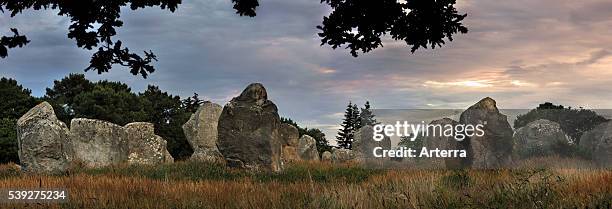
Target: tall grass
{"type": "Point", "coordinates": [318, 185]}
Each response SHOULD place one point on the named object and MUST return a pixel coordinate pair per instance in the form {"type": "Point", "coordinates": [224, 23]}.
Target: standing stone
{"type": "Point", "coordinates": [98, 143]}
{"type": "Point", "coordinates": [289, 134]}
{"type": "Point", "coordinates": [598, 141]}
{"type": "Point", "coordinates": [342, 156]}
{"type": "Point", "coordinates": [326, 156]}
{"type": "Point", "coordinates": [249, 134]}
{"type": "Point", "coordinates": [144, 146]}
{"type": "Point", "coordinates": [290, 154]}
{"type": "Point", "coordinates": [290, 137]}
{"type": "Point", "coordinates": [307, 148]}
{"type": "Point", "coordinates": [364, 145]}
{"type": "Point", "coordinates": [43, 141]}
{"type": "Point", "coordinates": [538, 138]}
{"type": "Point", "coordinates": [201, 133]}
{"type": "Point", "coordinates": [436, 139]}
{"type": "Point", "coordinates": [494, 148]}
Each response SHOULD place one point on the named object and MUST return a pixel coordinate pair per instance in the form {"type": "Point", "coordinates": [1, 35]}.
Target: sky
{"type": "Point", "coordinates": [520, 53]}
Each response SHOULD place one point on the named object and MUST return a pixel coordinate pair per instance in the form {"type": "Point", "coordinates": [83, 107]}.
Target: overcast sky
{"type": "Point", "coordinates": [520, 53]}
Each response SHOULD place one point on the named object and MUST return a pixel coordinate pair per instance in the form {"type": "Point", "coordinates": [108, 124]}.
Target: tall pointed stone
{"type": "Point", "coordinates": [437, 140]}
{"type": "Point", "coordinates": [43, 141]}
{"type": "Point", "coordinates": [307, 148]}
{"type": "Point", "coordinates": [249, 134]}
{"type": "Point", "coordinates": [290, 137]}
{"type": "Point", "coordinates": [365, 144]}
{"type": "Point", "coordinates": [494, 148]}
{"type": "Point", "coordinates": [202, 134]}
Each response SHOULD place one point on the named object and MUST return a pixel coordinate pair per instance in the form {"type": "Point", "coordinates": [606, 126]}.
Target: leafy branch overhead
{"type": "Point", "coordinates": [93, 24]}
{"type": "Point", "coordinates": [11, 42]}
{"type": "Point", "coordinates": [360, 24]}
{"type": "Point", "coordinates": [357, 25]}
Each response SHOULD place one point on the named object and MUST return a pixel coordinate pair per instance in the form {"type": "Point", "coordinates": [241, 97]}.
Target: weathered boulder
{"type": "Point", "coordinates": [290, 154]}
{"type": "Point", "coordinates": [343, 156]}
{"type": "Point", "coordinates": [326, 156]}
{"type": "Point", "coordinates": [289, 134]}
{"type": "Point", "coordinates": [307, 148]}
{"type": "Point", "coordinates": [539, 138]}
{"type": "Point", "coordinates": [598, 141]}
{"type": "Point", "coordinates": [144, 147]}
{"type": "Point", "coordinates": [201, 133]}
{"type": "Point", "coordinates": [290, 137]}
{"type": "Point", "coordinates": [364, 145]}
{"type": "Point", "coordinates": [590, 139]}
{"type": "Point", "coordinates": [436, 139]}
{"type": "Point", "coordinates": [494, 148]}
{"type": "Point", "coordinates": [43, 141]}
{"type": "Point", "coordinates": [249, 134]}
{"type": "Point", "coordinates": [98, 143]}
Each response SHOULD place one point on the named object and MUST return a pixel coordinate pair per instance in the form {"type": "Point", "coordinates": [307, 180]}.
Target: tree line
{"type": "Point", "coordinates": [74, 96]}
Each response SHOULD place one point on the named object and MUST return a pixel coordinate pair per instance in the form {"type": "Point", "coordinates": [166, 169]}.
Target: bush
{"type": "Point", "coordinates": [574, 122]}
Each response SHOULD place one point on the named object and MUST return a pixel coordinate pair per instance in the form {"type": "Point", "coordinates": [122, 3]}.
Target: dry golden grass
{"type": "Point", "coordinates": [319, 186]}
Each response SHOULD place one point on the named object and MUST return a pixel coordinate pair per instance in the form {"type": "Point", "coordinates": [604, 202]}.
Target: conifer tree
{"type": "Point", "coordinates": [367, 117]}
{"type": "Point", "coordinates": [356, 117]}
{"type": "Point", "coordinates": [345, 134]}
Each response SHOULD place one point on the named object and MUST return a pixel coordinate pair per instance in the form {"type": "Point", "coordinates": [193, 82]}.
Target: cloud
{"type": "Point", "coordinates": [595, 56]}
{"type": "Point", "coordinates": [519, 52]}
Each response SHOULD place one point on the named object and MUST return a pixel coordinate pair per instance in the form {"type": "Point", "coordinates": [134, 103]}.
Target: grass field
{"type": "Point", "coordinates": [318, 185]}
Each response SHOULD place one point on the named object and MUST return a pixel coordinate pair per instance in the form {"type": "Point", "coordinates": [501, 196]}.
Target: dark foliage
{"type": "Point", "coordinates": [168, 114]}
{"type": "Point", "coordinates": [62, 95]}
{"type": "Point", "coordinates": [85, 15]}
{"type": "Point", "coordinates": [16, 101]}
{"type": "Point", "coordinates": [360, 24]}
{"type": "Point", "coordinates": [356, 117]}
{"type": "Point", "coordinates": [7, 42]}
{"type": "Point", "coordinates": [246, 7]}
{"type": "Point", "coordinates": [8, 141]}
{"type": "Point", "coordinates": [346, 134]}
{"type": "Point", "coordinates": [192, 103]}
{"type": "Point", "coordinates": [574, 122]}
{"type": "Point", "coordinates": [110, 101]}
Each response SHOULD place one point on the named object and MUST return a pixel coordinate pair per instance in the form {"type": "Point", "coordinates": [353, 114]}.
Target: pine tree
{"type": "Point", "coordinates": [192, 103]}
{"type": "Point", "coordinates": [367, 117]}
{"type": "Point", "coordinates": [356, 117]}
{"type": "Point", "coordinates": [345, 134]}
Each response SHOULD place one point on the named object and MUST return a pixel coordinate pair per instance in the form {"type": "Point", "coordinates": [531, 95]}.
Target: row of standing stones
{"type": "Point", "coordinates": [500, 145]}
{"type": "Point", "coordinates": [247, 133]}
{"type": "Point", "coordinates": [47, 145]}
